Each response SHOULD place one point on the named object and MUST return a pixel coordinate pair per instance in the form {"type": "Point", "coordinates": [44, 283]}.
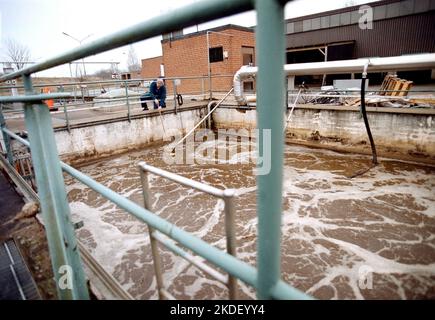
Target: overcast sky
{"type": "Point", "coordinates": [39, 24]}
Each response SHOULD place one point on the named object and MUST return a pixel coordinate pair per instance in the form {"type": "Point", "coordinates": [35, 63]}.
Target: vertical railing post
{"type": "Point", "coordinates": [231, 236]}
{"type": "Point", "coordinates": [153, 242]}
{"type": "Point", "coordinates": [270, 112]}
{"type": "Point", "coordinates": [209, 66]}
{"type": "Point", "coordinates": [175, 95]}
{"type": "Point", "coordinates": [65, 111]}
{"type": "Point", "coordinates": [64, 253]}
{"type": "Point", "coordinates": [6, 138]}
{"type": "Point", "coordinates": [128, 102]}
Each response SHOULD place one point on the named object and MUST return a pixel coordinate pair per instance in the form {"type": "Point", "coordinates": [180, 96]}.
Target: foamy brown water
{"type": "Point", "coordinates": [334, 228]}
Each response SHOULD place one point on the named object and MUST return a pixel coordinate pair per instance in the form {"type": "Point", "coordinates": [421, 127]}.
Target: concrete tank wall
{"type": "Point", "coordinates": [408, 134]}
{"type": "Point", "coordinates": [99, 140]}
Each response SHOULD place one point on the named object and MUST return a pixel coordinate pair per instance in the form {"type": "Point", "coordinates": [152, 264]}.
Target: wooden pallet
{"type": "Point", "coordinates": [393, 86]}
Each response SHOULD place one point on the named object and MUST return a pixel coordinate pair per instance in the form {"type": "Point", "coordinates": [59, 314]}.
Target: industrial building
{"type": "Point", "coordinates": [380, 29]}
{"type": "Point", "coordinates": [399, 27]}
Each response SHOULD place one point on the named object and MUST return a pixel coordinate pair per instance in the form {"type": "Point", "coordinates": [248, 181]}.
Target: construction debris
{"type": "Point", "coordinates": [393, 86]}
{"type": "Point", "coordinates": [393, 93]}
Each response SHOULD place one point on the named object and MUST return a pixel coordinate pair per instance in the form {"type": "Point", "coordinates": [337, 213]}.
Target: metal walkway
{"type": "Point", "coordinates": [16, 282]}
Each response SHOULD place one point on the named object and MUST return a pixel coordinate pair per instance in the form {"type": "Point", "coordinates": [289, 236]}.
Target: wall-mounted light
{"type": "Point", "coordinates": [225, 54]}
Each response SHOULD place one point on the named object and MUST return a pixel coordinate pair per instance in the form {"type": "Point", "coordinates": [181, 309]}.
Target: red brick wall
{"type": "Point", "coordinates": [188, 57]}
{"type": "Point", "coordinates": [151, 67]}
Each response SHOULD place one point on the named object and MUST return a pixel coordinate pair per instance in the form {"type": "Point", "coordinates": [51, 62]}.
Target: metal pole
{"type": "Point", "coordinates": [73, 86]}
{"type": "Point", "coordinates": [231, 236]}
{"type": "Point", "coordinates": [84, 68]}
{"type": "Point", "coordinates": [153, 242]}
{"type": "Point", "coordinates": [64, 253]}
{"type": "Point", "coordinates": [270, 112]}
{"type": "Point", "coordinates": [209, 118]}
{"type": "Point", "coordinates": [66, 117]}
{"type": "Point", "coordinates": [175, 96]}
{"type": "Point", "coordinates": [6, 138]}
{"type": "Point", "coordinates": [203, 119]}
{"type": "Point", "coordinates": [128, 103]}
{"type": "Point", "coordinates": [209, 65]}
{"type": "Point", "coordinates": [326, 59]}
{"type": "Point", "coordinates": [65, 111]}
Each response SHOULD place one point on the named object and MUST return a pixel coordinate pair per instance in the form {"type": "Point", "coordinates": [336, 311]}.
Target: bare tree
{"type": "Point", "coordinates": [17, 52]}
{"type": "Point", "coordinates": [132, 60]}
{"type": "Point", "coordinates": [104, 73]}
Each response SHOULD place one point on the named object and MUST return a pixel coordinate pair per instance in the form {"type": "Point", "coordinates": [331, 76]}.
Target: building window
{"type": "Point", "coordinates": [298, 26]}
{"type": "Point", "coordinates": [335, 20]}
{"type": "Point", "coordinates": [306, 25]}
{"type": "Point", "coordinates": [216, 54]}
{"type": "Point", "coordinates": [315, 23]}
{"type": "Point", "coordinates": [290, 27]}
{"type": "Point", "coordinates": [324, 22]}
{"type": "Point", "coordinates": [380, 12]}
{"type": "Point", "coordinates": [344, 18]}
{"type": "Point", "coordinates": [393, 10]}
{"type": "Point", "coordinates": [355, 16]}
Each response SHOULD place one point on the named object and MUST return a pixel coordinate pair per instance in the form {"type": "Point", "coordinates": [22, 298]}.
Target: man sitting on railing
{"type": "Point", "coordinates": [157, 93]}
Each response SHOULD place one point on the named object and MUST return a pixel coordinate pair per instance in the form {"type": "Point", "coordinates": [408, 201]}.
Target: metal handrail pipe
{"type": "Point", "coordinates": [35, 97]}
{"type": "Point", "coordinates": [183, 180]}
{"type": "Point", "coordinates": [190, 258]}
{"type": "Point", "coordinates": [115, 81]}
{"type": "Point", "coordinates": [205, 118]}
{"type": "Point", "coordinates": [16, 137]}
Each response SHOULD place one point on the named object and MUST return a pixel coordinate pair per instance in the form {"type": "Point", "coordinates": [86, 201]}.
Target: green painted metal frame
{"type": "Point", "coordinates": [62, 244]}
{"type": "Point", "coordinates": [60, 233]}
{"type": "Point", "coordinates": [270, 112]}
{"type": "Point", "coordinates": [6, 138]}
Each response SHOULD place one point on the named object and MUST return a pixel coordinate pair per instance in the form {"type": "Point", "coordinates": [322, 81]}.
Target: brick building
{"type": "Point", "coordinates": [230, 47]}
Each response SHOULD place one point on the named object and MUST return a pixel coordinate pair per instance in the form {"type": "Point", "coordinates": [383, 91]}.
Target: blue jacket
{"type": "Point", "coordinates": [158, 93]}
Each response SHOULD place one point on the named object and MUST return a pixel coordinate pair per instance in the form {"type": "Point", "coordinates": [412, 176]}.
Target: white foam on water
{"type": "Point", "coordinates": [111, 242]}
{"type": "Point", "coordinates": [305, 187]}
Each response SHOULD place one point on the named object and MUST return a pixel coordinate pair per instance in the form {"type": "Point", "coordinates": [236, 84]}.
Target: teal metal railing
{"type": "Point", "coordinates": [270, 94]}
{"type": "Point", "coordinates": [91, 89]}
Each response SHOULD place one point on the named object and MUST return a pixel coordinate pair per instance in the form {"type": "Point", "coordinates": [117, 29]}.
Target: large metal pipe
{"type": "Point", "coordinates": [398, 63]}
{"type": "Point", "coordinates": [244, 73]}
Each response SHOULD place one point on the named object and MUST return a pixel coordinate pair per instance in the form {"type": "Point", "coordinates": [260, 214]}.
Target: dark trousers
{"type": "Point", "coordinates": [148, 97]}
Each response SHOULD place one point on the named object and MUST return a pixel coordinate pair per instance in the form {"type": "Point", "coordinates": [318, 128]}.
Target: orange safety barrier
{"type": "Point", "coordinates": [50, 102]}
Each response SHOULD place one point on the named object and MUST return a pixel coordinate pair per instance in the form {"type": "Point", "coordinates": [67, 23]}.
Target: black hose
{"type": "Point", "coordinates": [366, 121]}
{"type": "Point", "coordinates": [180, 99]}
